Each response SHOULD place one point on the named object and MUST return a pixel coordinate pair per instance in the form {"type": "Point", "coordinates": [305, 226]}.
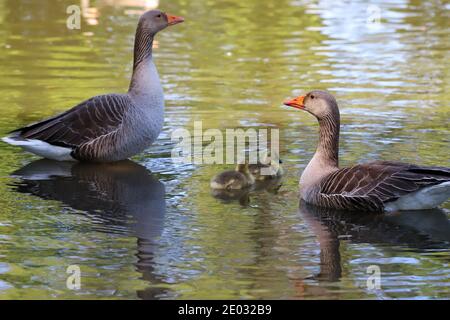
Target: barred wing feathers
{"type": "Point", "coordinates": [369, 186]}
{"type": "Point", "coordinates": [85, 124]}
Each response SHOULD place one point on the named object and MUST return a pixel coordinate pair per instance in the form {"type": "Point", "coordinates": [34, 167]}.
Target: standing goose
{"type": "Point", "coordinates": [375, 186]}
{"type": "Point", "coordinates": [108, 127]}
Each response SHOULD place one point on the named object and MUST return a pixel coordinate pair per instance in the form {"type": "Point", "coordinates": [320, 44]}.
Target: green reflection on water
{"type": "Point", "coordinates": [230, 64]}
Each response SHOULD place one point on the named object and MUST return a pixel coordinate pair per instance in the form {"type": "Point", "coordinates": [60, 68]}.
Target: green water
{"type": "Point", "coordinates": [150, 228]}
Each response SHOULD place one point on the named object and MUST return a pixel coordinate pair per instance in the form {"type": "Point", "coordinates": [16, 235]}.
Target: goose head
{"type": "Point", "coordinates": [155, 20]}
{"type": "Point", "coordinates": [319, 103]}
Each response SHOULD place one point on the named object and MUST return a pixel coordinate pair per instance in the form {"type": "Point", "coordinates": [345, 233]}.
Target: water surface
{"type": "Point", "coordinates": [148, 228]}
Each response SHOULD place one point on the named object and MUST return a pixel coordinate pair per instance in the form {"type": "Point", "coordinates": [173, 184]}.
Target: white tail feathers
{"type": "Point", "coordinates": [426, 198]}
{"type": "Point", "coordinates": [41, 148]}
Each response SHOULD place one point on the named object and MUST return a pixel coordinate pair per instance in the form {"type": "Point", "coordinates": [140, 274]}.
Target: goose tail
{"type": "Point", "coordinates": [39, 147]}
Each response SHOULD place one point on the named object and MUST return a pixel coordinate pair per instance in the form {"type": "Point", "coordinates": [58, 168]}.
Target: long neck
{"type": "Point", "coordinates": [325, 160]}
{"type": "Point", "coordinates": [143, 44]}
{"type": "Point", "coordinates": [328, 147]}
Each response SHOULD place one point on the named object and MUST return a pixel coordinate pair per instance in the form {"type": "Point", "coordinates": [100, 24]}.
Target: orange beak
{"type": "Point", "coordinates": [296, 102]}
{"type": "Point", "coordinates": [174, 20]}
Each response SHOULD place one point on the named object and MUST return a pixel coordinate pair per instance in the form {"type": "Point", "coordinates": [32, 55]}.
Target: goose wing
{"type": "Point", "coordinates": [91, 119]}
{"type": "Point", "coordinates": [369, 186]}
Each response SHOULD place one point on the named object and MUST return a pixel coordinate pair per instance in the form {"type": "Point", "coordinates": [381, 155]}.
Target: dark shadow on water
{"type": "Point", "coordinates": [230, 196]}
{"type": "Point", "coordinates": [117, 196]}
{"type": "Point", "coordinates": [418, 231]}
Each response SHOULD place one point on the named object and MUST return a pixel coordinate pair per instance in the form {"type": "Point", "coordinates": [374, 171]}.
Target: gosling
{"type": "Point", "coordinates": [270, 169]}
{"type": "Point", "coordinates": [237, 179]}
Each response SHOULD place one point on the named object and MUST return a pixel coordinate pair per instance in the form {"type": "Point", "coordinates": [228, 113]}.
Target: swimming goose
{"type": "Point", "coordinates": [240, 178]}
{"type": "Point", "coordinates": [108, 127]}
{"type": "Point", "coordinates": [375, 186]}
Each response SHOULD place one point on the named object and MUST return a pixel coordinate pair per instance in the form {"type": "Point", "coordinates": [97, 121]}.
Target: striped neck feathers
{"type": "Point", "coordinates": [325, 160]}
{"type": "Point", "coordinates": [328, 146]}
{"type": "Point", "coordinates": [143, 44]}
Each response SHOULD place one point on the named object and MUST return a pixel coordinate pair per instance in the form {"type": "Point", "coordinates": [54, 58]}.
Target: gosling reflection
{"type": "Point", "coordinates": [229, 196]}
{"type": "Point", "coordinates": [122, 196]}
{"type": "Point", "coordinates": [243, 196]}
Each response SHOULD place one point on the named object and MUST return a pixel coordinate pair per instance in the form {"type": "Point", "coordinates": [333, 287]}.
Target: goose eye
{"type": "Point", "coordinates": [158, 16]}
{"type": "Point", "coordinates": [311, 96]}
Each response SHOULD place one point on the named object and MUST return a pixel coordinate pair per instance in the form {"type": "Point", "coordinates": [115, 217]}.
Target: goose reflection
{"type": "Point", "coordinates": [122, 195]}
{"type": "Point", "coordinates": [416, 230]}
